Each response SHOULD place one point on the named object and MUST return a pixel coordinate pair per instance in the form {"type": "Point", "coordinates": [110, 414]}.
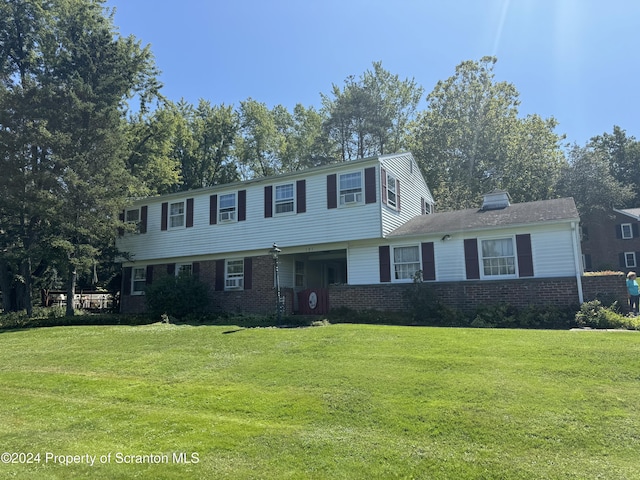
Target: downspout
{"type": "Point", "coordinates": [577, 260]}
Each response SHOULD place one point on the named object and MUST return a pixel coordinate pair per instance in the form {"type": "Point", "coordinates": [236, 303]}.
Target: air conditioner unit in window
{"type": "Point", "coordinates": [227, 216]}
{"type": "Point", "coordinates": [233, 283]}
{"type": "Point", "coordinates": [350, 198]}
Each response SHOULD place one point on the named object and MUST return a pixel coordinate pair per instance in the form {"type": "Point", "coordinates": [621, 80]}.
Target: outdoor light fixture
{"type": "Point", "coordinates": [275, 253]}
{"type": "Point", "coordinates": [446, 237]}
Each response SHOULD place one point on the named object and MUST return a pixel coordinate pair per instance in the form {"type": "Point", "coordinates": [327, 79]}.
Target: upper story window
{"type": "Point", "coordinates": [227, 207]}
{"type": "Point", "coordinates": [284, 202]}
{"type": "Point", "coordinates": [627, 230]}
{"type": "Point", "coordinates": [176, 215]}
{"type": "Point", "coordinates": [350, 188]}
{"type": "Point", "coordinates": [392, 198]}
{"type": "Point", "coordinates": [138, 280]}
{"type": "Point", "coordinates": [498, 257]}
{"type": "Point", "coordinates": [132, 215]}
{"type": "Point", "coordinates": [234, 274]}
{"type": "Point", "coordinates": [406, 262]}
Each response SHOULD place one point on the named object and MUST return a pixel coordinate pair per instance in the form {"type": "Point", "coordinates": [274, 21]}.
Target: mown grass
{"type": "Point", "coordinates": [338, 402]}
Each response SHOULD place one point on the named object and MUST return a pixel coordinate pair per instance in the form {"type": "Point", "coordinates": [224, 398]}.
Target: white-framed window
{"type": "Point", "coordinates": [234, 274]}
{"type": "Point", "coordinates": [627, 230]}
{"type": "Point", "coordinates": [406, 262]}
{"type": "Point", "coordinates": [630, 259]}
{"type": "Point", "coordinates": [132, 215]}
{"type": "Point", "coordinates": [392, 194]}
{"type": "Point", "coordinates": [227, 207]}
{"type": "Point", "coordinates": [498, 257]}
{"type": "Point", "coordinates": [284, 201]}
{"type": "Point", "coordinates": [184, 269]}
{"type": "Point", "coordinates": [176, 215]}
{"type": "Point", "coordinates": [350, 185]}
{"type": "Point", "coordinates": [138, 280]}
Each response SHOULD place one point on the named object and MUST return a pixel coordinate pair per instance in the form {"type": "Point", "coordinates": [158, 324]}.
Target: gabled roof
{"type": "Point", "coordinates": [543, 211]}
{"type": "Point", "coordinates": [631, 212]}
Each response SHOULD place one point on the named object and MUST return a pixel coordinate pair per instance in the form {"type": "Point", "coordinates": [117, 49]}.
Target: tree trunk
{"type": "Point", "coordinates": [25, 272]}
{"type": "Point", "coordinates": [71, 290]}
{"type": "Point", "coordinates": [5, 286]}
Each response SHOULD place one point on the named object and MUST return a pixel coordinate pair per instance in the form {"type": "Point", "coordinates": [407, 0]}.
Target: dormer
{"type": "Point", "coordinates": [496, 200]}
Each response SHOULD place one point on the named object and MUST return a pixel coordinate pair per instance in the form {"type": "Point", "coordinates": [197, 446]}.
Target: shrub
{"type": "Point", "coordinates": [427, 309]}
{"type": "Point", "coordinates": [177, 296]}
{"type": "Point", "coordinates": [594, 314]}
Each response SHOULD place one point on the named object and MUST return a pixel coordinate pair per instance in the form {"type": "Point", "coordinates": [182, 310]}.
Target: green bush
{"type": "Point", "coordinates": [594, 314]}
{"type": "Point", "coordinates": [426, 309]}
{"type": "Point", "coordinates": [177, 296]}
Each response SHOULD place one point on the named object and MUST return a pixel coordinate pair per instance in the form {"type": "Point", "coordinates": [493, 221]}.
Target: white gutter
{"type": "Point", "coordinates": [577, 257]}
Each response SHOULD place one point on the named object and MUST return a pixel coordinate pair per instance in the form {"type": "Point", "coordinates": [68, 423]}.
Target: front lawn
{"type": "Point", "coordinates": [338, 401]}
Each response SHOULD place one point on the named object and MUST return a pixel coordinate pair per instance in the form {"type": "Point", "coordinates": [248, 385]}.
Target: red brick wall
{"type": "Point", "coordinates": [468, 295]}
{"type": "Point", "coordinates": [465, 295]}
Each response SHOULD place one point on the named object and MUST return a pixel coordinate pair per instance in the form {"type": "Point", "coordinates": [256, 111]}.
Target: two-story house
{"type": "Point", "coordinates": [611, 240]}
{"type": "Point", "coordinates": [345, 232]}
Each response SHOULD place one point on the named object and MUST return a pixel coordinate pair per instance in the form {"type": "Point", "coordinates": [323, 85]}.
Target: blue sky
{"type": "Point", "coordinates": [575, 60]}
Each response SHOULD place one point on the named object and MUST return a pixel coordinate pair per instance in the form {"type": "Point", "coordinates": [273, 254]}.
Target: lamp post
{"type": "Point", "coordinates": [275, 252]}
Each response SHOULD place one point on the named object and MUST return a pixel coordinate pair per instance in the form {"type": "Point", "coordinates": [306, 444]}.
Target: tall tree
{"type": "Point", "coordinates": [623, 155]}
{"type": "Point", "coordinates": [588, 179]}
{"type": "Point", "coordinates": [65, 79]}
{"type": "Point", "coordinates": [370, 115]}
{"type": "Point", "coordinates": [470, 141]}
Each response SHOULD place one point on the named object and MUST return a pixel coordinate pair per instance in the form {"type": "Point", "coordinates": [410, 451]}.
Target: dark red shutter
{"type": "Point", "coordinates": [219, 284]}
{"type": "Point", "coordinates": [165, 214]}
{"type": "Point", "coordinates": [383, 183]}
{"type": "Point", "coordinates": [428, 261]}
{"type": "Point", "coordinates": [268, 201]}
{"type": "Point", "coordinates": [149, 279]}
{"type": "Point", "coordinates": [213, 209]}
{"type": "Point", "coordinates": [301, 196]}
{"type": "Point", "coordinates": [126, 280]}
{"type": "Point", "coordinates": [332, 191]}
{"type": "Point", "coordinates": [248, 273]}
{"type": "Point", "coordinates": [370, 185]}
{"type": "Point", "coordinates": [189, 222]}
{"type": "Point", "coordinates": [242, 205]}
{"type": "Point", "coordinates": [171, 268]}
{"type": "Point", "coordinates": [423, 206]}
{"type": "Point", "coordinates": [195, 269]}
{"type": "Point", "coordinates": [397, 194]}
{"type": "Point", "coordinates": [385, 263]}
{"type": "Point", "coordinates": [143, 219]}
{"type": "Point", "coordinates": [471, 258]}
{"type": "Point", "coordinates": [525, 256]}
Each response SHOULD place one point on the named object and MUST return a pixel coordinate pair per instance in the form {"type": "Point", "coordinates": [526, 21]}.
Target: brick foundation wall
{"type": "Point", "coordinates": [468, 295]}
{"type": "Point", "coordinates": [464, 296]}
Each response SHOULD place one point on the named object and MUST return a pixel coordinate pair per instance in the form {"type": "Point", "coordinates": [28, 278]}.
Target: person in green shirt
{"type": "Point", "coordinates": [634, 293]}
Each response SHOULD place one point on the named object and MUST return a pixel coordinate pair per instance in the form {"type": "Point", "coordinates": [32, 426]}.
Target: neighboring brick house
{"type": "Point", "coordinates": [611, 240]}
{"type": "Point", "coordinates": [352, 234]}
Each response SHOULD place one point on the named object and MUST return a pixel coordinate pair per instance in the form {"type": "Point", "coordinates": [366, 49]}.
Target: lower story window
{"type": "Point", "coordinates": [234, 275]}
{"type": "Point", "coordinates": [183, 269]}
{"type": "Point", "coordinates": [498, 257]}
{"type": "Point", "coordinates": [406, 262]}
{"type": "Point", "coordinates": [138, 280]}
{"type": "Point", "coordinates": [630, 259]}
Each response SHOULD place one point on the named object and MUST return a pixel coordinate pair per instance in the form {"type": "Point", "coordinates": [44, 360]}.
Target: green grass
{"type": "Point", "coordinates": [335, 402]}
